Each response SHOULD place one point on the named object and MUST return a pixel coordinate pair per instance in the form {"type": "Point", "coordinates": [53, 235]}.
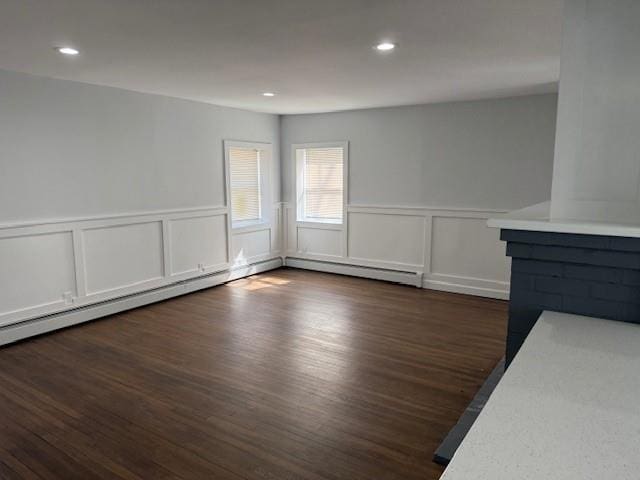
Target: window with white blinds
{"type": "Point", "coordinates": [322, 184]}
{"type": "Point", "coordinates": [244, 169]}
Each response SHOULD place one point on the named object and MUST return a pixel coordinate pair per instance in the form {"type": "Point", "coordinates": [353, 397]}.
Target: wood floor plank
{"type": "Point", "coordinates": [285, 375]}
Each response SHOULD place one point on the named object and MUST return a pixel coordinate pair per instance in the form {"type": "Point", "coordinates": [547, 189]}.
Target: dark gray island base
{"type": "Point", "coordinates": [592, 275]}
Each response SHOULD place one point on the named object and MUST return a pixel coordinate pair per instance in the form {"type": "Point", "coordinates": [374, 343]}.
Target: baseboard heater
{"type": "Point", "coordinates": [29, 328]}
{"type": "Point", "coordinates": [396, 276]}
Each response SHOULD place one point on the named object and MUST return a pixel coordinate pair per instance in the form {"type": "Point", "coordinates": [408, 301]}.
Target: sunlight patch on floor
{"type": "Point", "coordinates": [258, 283]}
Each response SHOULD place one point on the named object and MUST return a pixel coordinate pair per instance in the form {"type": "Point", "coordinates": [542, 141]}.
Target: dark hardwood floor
{"type": "Point", "coordinates": [285, 375]}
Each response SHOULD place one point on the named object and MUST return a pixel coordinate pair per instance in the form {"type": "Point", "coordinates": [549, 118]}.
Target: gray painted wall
{"type": "Point", "coordinates": [481, 154]}
{"type": "Point", "coordinates": [69, 149]}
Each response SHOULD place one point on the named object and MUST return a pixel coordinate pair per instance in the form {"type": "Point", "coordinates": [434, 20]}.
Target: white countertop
{"type": "Point", "coordinates": [537, 218]}
{"type": "Point", "coordinates": [568, 407]}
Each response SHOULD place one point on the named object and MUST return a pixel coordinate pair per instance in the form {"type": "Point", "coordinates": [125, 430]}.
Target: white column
{"type": "Point", "coordinates": [597, 162]}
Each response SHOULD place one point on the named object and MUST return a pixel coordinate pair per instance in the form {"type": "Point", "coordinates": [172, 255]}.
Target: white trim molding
{"type": "Point", "coordinates": [467, 285]}
{"type": "Point", "coordinates": [406, 278]}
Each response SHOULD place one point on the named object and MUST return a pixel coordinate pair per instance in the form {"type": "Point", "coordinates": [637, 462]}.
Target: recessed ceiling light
{"type": "Point", "coordinates": [385, 46]}
{"type": "Point", "coordinates": [67, 50]}
{"type": "Point", "coordinates": [269, 94]}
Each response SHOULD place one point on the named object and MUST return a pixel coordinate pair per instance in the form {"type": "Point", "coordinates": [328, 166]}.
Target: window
{"type": "Point", "coordinates": [320, 171]}
{"type": "Point", "coordinates": [244, 168]}
{"type": "Point", "coordinates": [246, 164]}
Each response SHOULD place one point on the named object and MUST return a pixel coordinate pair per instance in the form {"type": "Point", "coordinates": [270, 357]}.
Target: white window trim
{"type": "Point", "coordinates": [300, 218]}
{"type": "Point", "coordinates": [264, 172]}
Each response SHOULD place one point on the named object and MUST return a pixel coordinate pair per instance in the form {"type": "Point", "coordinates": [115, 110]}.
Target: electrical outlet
{"type": "Point", "coordinates": [68, 298]}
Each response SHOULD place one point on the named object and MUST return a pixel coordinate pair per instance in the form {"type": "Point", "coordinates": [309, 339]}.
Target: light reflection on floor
{"type": "Point", "coordinates": [311, 339]}
{"type": "Point", "coordinates": [258, 283]}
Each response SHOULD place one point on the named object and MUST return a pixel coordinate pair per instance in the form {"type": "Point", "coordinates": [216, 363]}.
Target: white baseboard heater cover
{"type": "Point", "coordinates": [396, 276]}
{"type": "Point", "coordinates": [18, 331]}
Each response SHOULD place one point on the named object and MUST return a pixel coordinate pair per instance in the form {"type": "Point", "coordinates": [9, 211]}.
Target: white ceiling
{"type": "Point", "coordinates": [316, 55]}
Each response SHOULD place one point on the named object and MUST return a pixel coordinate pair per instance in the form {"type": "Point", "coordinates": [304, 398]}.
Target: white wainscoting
{"type": "Point", "coordinates": [321, 239]}
{"type": "Point", "coordinates": [121, 257]}
{"type": "Point", "coordinates": [55, 266]}
{"type": "Point", "coordinates": [466, 256]}
{"type": "Point", "coordinates": [257, 243]}
{"type": "Point", "coordinates": [63, 265]}
{"type": "Point", "coordinates": [249, 246]}
{"type": "Point", "coordinates": [387, 238]}
{"type": "Point", "coordinates": [37, 274]}
{"type": "Point", "coordinates": [449, 249]}
{"type": "Point", "coordinates": [197, 244]}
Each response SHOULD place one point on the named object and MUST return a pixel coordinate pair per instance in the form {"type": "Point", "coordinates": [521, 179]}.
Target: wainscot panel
{"type": "Point", "coordinates": [251, 245]}
{"type": "Point", "coordinates": [37, 274]}
{"type": "Point", "coordinates": [387, 238]}
{"type": "Point", "coordinates": [319, 241]}
{"type": "Point", "coordinates": [198, 244]}
{"type": "Point", "coordinates": [122, 256]}
{"type": "Point", "coordinates": [467, 256]}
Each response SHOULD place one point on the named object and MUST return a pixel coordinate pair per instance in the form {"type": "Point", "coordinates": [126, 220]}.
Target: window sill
{"type": "Point", "coordinates": [320, 224]}
{"type": "Point", "coordinates": [250, 226]}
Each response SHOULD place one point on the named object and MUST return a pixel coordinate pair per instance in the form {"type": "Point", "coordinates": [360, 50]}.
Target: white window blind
{"type": "Point", "coordinates": [244, 167]}
{"type": "Point", "coordinates": [323, 183]}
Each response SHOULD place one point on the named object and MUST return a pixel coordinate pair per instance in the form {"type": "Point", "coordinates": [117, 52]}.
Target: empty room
{"type": "Point", "coordinates": [319, 240]}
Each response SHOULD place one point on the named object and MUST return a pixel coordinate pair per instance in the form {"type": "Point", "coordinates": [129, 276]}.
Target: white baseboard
{"type": "Point", "coordinates": [19, 331]}
{"type": "Point", "coordinates": [22, 330]}
{"type": "Point", "coordinates": [407, 278]}
{"type": "Point", "coordinates": [466, 289]}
